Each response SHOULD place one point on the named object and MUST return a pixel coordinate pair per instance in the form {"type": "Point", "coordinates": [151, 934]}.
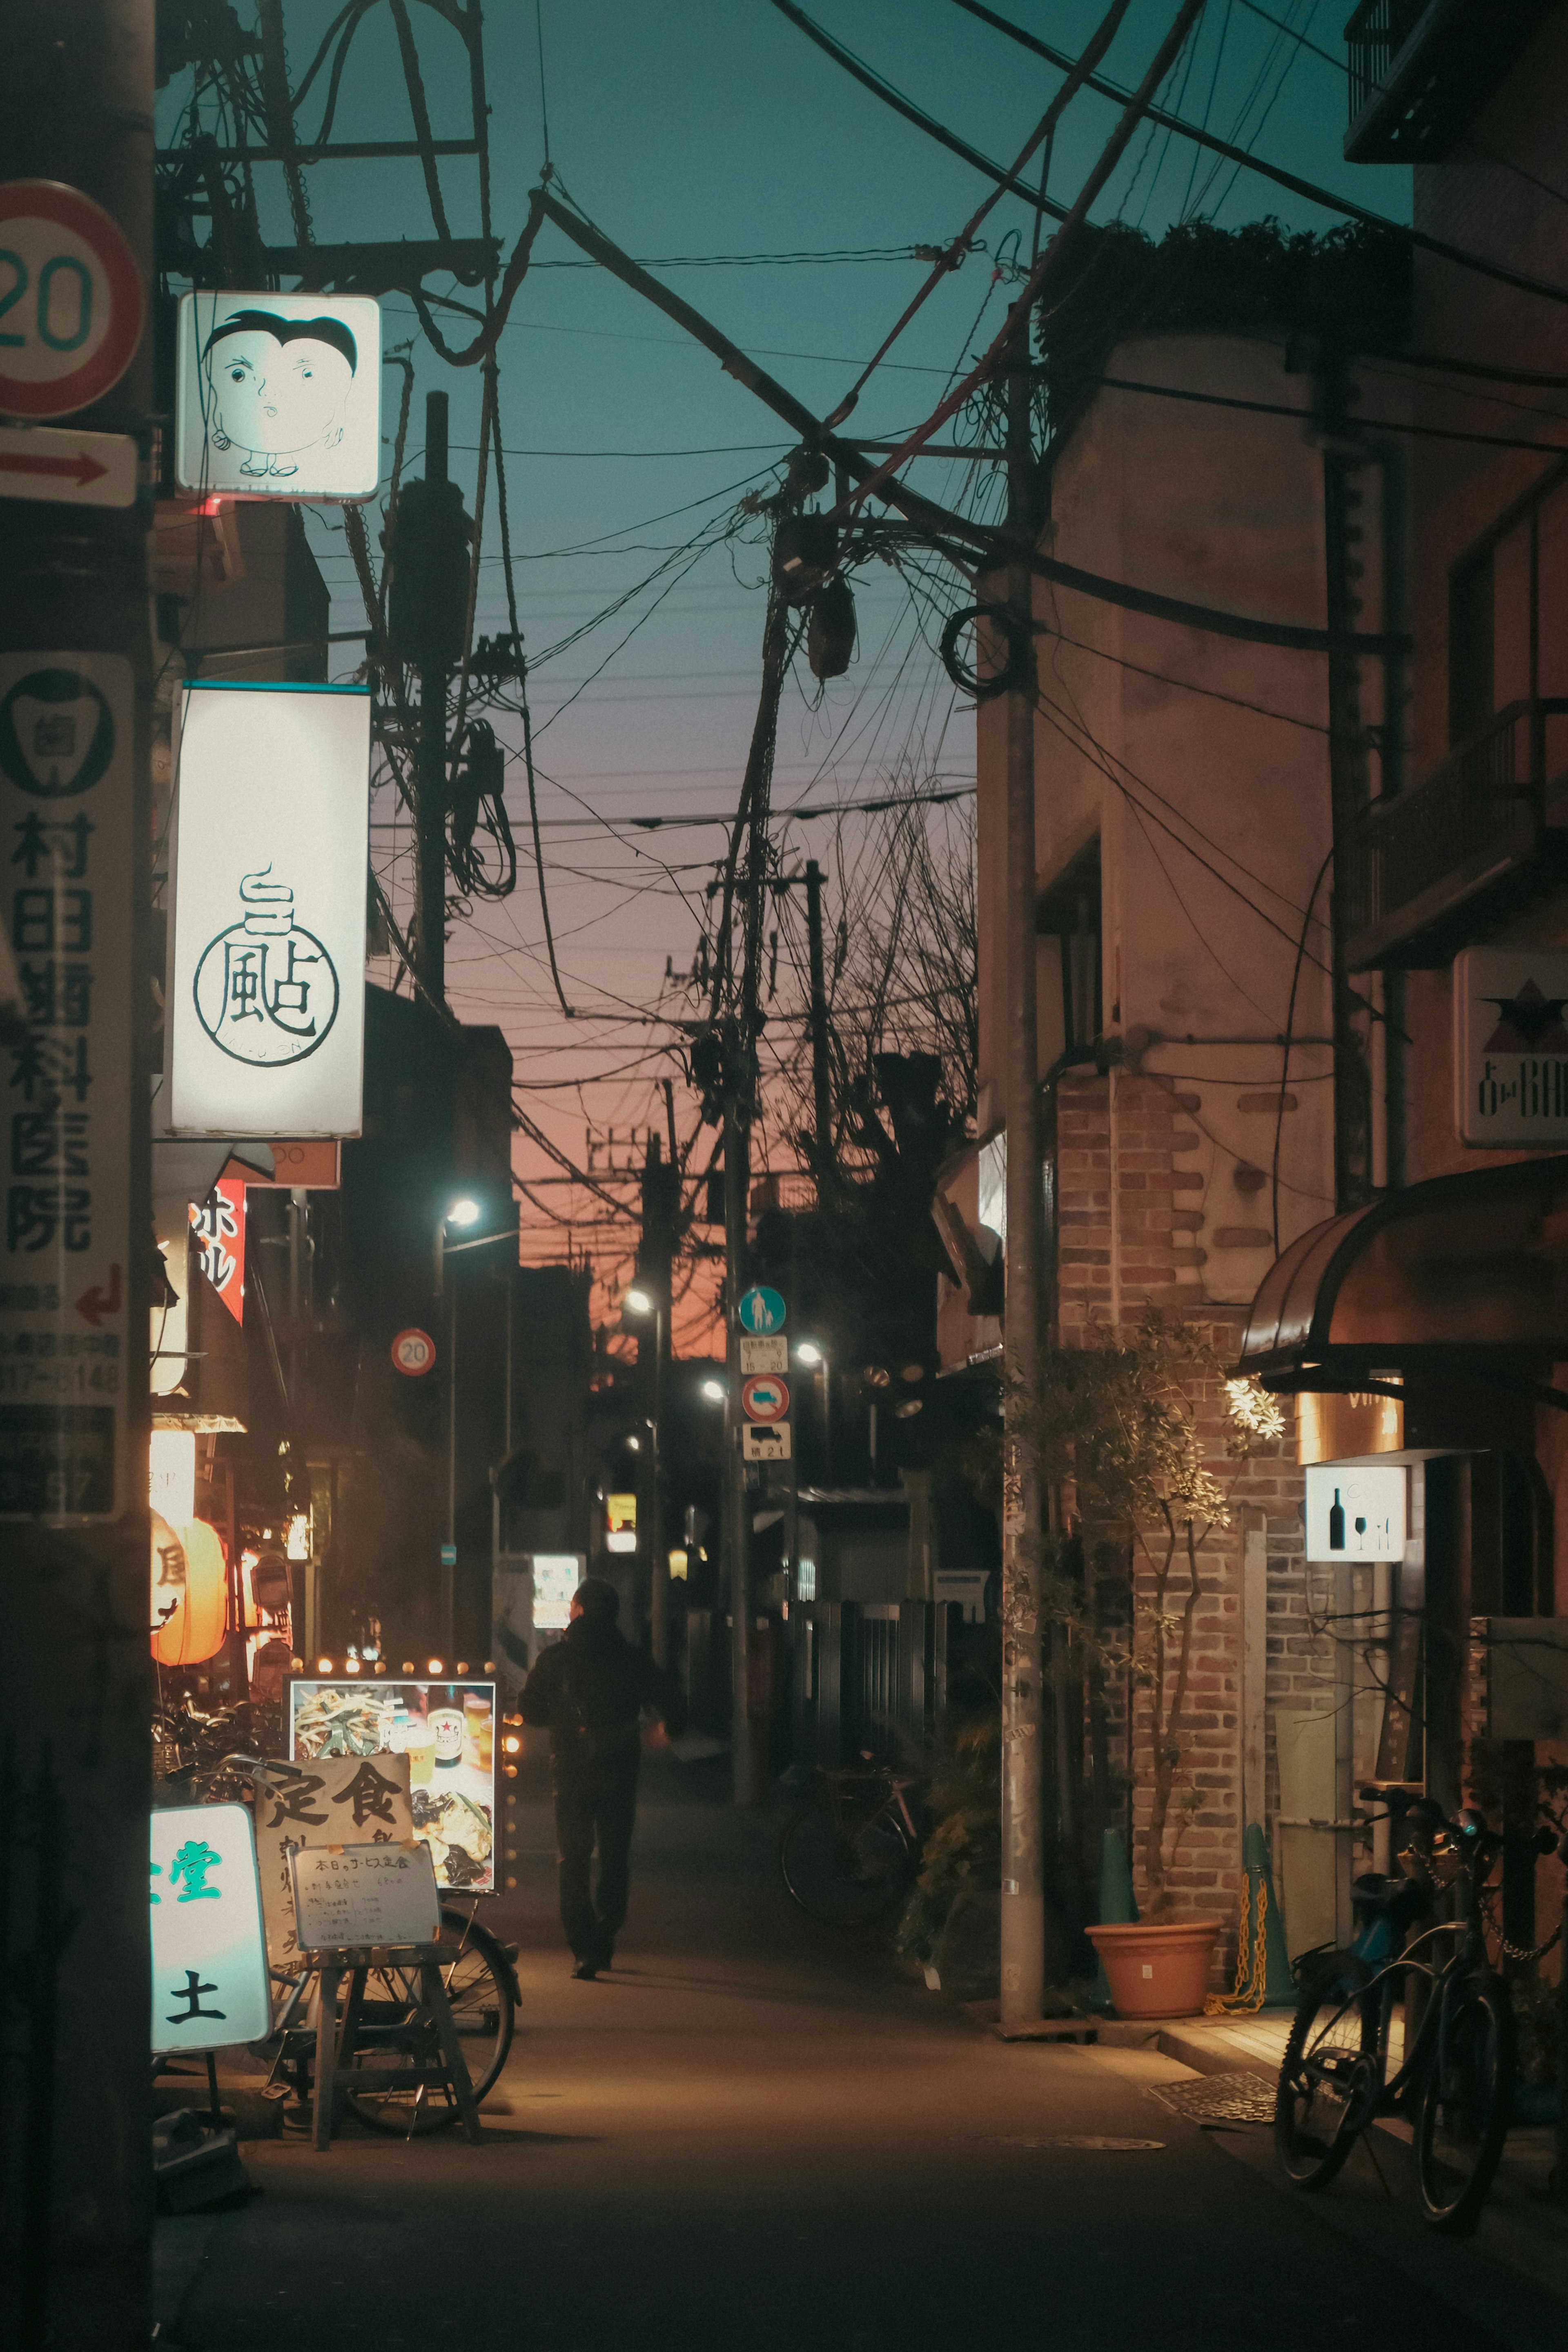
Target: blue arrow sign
{"type": "Point", "coordinates": [762, 1309]}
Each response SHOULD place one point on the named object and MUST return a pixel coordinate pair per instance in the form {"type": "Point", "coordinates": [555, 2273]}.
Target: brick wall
{"type": "Point", "coordinates": [1131, 1140]}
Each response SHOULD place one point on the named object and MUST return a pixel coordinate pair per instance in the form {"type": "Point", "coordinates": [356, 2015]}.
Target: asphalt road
{"type": "Point", "coordinates": [752, 2134]}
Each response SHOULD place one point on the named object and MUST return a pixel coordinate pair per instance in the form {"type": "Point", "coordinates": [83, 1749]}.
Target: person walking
{"type": "Point", "coordinates": [588, 1692]}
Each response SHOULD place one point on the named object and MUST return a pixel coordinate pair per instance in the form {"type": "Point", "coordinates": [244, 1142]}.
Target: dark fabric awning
{"type": "Point", "coordinates": [1460, 1274]}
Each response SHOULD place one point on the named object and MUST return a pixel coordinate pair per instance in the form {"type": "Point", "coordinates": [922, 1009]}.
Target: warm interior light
{"type": "Point", "coordinates": [297, 1665]}
{"type": "Point", "coordinates": [678, 1564]}
{"type": "Point", "coordinates": [512, 1744]}
{"type": "Point", "coordinates": [350, 1665]}
{"type": "Point", "coordinates": [461, 1665]}
{"type": "Point", "coordinates": [323, 1666]}
{"type": "Point", "coordinates": [408, 1665]}
{"type": "Point", "coordinates": [463, 1212]}
{"type": "Point", "coordinates": [433, 1665]}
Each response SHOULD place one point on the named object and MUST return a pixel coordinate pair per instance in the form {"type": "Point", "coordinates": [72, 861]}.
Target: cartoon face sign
{"type": "Point", "coordinates": [279, 395]}
{"type": "Point", "coordinates": [278, 387]}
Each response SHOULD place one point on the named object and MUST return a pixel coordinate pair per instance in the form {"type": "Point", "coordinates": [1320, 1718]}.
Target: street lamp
{"type": "Point", "coordinates": [460, 1214]}
{"type": "Point", "coordinates": [813, 1354]}
{"type": "Point", "coordinates": [714, 1391]}
{"type": "Point", "coordinates": [641, 1301]}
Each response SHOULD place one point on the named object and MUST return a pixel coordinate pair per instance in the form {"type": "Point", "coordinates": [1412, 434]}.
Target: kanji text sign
{"type": "Point", "coordinates": [266, 987]}
{"type": "Point", "coordinates": [279, 395]}
{"type": "Point", "coordinates": [1510, 1047]}
{"type": "Point", "coordinates": [765, 1441]}
{"type": "Point", "coordinates": [329, 1800]}
{"type": "Point", "coordinates": [67, 868]}
{"type": "Point", "coordinates": [209, 1955]}
{"type": "Point", "coordinates": [364, 1895]}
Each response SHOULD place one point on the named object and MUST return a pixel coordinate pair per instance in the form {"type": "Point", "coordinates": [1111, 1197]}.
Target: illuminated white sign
{"type": "Point", "coordinates": [557, 1575]}
{"type": "Point", "coordinates": [267, 986]}
{"type": "Point", "coordinates": [1356, 1511]}
{"type": "Point", "coordinates": [279, 395]}
{"type": "Point", "coordinates": [209, 1954]}
{"type": "Point", "coordinates": [1510, 1047]}
{"type": "Point", "coordinates": [172, 1474]}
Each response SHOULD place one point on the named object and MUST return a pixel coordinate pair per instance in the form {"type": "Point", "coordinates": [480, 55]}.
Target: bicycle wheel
{"type": "Point", "coordinates": [1329, 2064]}
{"type": "Point", "coordinates": [843, 1872]}
{"type": "Point", "coordinates": [1462, 2108]}
{"type": "Point", "coordinates": [478, 1976]}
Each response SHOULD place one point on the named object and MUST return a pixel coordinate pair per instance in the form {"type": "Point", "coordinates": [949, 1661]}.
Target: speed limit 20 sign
{"type": "Point", "coordinates": [413, 1351]}
{"type": "Point", "coordinates": [72, 299]}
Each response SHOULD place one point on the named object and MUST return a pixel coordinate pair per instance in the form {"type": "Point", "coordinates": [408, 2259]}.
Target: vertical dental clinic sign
{"type": "Point", "coordinates": [65, 799]}
{"type": "Point", "coordinates": [1511, 1049]}
{"type": "Point", "coordinates": [267, 999]}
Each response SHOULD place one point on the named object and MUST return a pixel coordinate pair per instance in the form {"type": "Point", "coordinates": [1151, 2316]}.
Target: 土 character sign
{"type": "Point", "coordinates": [265, 990]}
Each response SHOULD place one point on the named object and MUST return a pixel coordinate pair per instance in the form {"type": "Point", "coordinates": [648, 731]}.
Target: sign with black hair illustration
{"type": "Point", "coordinates": [279, 395]}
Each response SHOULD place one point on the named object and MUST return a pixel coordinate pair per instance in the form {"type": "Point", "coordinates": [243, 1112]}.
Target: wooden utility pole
{"type": "Point", "coordinates": [821, 1075]}
{"type": "Point", "coordinates": [427, 609]}
{"type": "Point", "coordinates": [739, 1109]}
{"type": "Point", "coordinates": [76, 2185]}
{"type": "Point", "coordinates": [1023, 1891]}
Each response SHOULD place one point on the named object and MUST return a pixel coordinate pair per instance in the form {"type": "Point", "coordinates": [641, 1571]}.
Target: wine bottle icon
{"type": "Point", "coordinates": [1336, 1523]}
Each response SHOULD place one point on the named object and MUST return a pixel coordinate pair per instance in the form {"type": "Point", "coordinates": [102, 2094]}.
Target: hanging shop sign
{"type": "Point", "coordinates": [447, 1732]}
{"type": "Point", "coordinates": [1356, 1511]}
{"type": "Point", "coordinates": [621, 1523]}
{"type": "Point", "coordinates": [279, 395]}
{"type": "Point", "coordinates": [71, 298]}
{"type": "Point", "coordinates": [172, 1474]}
{"type": "Point", "coordinates": [69, 868]}
{"type": "Point", "coordinates": [266, 996]}
{"type": "Point", "coordinates": [219, 1228]}
{"type": "Point", "coordinates": [1510, 1047]}
{"type": "Point", "coordinates": [209, 1954]}
{"type": "Point", "coordinates": [190, 1591]}
{"type": "Point", "coordinates": [331, 1800]}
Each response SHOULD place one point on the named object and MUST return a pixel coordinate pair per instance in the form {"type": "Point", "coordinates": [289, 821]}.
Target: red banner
{"type": "Point", "coordinates": [220, 1233]}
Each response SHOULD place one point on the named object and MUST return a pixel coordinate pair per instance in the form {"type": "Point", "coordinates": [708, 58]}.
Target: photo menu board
{"type": "Point", "coordinates": [446, 1730]}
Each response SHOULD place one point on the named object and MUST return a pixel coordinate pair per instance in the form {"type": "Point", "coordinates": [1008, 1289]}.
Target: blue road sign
{"type": "Point", "coordinates": [762, 1309]}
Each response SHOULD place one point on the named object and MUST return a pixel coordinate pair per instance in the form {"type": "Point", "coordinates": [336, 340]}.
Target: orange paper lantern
{"type": "Point", "coordinates": [189, 1570]}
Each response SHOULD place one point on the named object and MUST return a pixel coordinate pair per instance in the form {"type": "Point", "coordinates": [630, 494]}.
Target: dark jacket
{"type": "Point", "coordinates": [590, 1691]}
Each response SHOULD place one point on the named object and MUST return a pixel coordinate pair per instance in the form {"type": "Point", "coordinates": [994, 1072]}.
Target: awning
{"type": "Point", "coordinates": [1461, 1275]}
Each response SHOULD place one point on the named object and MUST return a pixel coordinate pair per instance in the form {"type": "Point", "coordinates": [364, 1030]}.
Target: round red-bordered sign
{"type": "Point", "coordinates": [72, 303]}
{"type": "Point", "coordinates": [765, 1397]}
{"type": "Point", "coordinates": [413, 1351]}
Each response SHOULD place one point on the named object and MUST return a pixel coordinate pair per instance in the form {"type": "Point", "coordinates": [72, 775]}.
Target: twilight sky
{"type": "Point", "coordinates": [713, 129]}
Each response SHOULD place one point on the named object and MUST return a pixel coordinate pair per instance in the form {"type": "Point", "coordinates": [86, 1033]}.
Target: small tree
{"type": "Point", "coordinates": [1115, 1429]}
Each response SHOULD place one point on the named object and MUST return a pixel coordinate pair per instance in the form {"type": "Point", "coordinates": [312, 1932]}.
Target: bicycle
{"type": "Point", "coordinates": [477, 1971]}
{"type": "Point", "coordinates": [849, 1855]}
{"type": "Point", "coordinates": [1455, 2081]}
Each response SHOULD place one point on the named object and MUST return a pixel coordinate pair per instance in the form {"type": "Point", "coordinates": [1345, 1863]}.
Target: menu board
{"type": "Point", "coordinates": [364, 1895]}
{"type": "Point", "coordinates": [447, 1731]}
{"type": "Point", "coordinates": [325, 1802]}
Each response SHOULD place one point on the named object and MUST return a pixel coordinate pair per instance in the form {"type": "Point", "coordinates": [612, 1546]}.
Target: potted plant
{"type": "Point", "coordinates": [1116, 1429]}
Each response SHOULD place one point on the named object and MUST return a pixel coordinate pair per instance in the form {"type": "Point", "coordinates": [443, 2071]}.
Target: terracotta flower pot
{"type": "Point", "coordinates": [1157, 1969]}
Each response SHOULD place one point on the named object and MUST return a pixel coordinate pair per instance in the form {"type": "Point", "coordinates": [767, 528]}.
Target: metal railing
{"type": "Point", "coordinates": [1411, 845]}
{"type": "Point", "coordinates": [1374, 36]}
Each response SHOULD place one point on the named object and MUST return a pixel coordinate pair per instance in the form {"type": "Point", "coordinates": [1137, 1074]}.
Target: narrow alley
{"type": "Point", "coordinates": [753, 2131]}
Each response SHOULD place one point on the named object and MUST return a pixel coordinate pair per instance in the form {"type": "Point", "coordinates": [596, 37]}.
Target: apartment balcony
{"type": "Point", "coordinates": [1420, 70]}
{"type": "Point", "coordinates": [1435, 868]}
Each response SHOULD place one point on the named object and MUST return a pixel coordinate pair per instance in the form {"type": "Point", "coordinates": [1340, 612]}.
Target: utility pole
{"type": "Point", "coordinates": [76, 2191]}
{"type": "Point", "coordinates": [427, 608]}
{"type": "Point", "coordinates": [739, 1106]}
{"type": "Point", "coordinates": [821, 1076]}
{"type": "Point", "coordinates": [1023, 1891]}
{"type": "Point", "coordinates": [655, 1264]}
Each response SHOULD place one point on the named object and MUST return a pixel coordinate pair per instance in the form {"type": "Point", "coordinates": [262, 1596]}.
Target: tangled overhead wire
{"type": "Point", "coordinates": [476, 815]}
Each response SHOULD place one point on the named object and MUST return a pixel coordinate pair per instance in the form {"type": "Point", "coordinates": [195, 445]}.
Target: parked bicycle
{"type": "Point", "coordinates": [1457, 2068]}
{"type": "Point", "coordinates": [477, 1970]}
{"type": "Point", "coordinates": [849, 1855]}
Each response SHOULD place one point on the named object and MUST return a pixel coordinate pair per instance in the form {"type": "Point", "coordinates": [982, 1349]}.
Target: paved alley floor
{"type": "Point", "coordinates": [753, 2134]}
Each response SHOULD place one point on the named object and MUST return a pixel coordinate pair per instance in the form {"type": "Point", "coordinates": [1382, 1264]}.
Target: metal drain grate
{"type": "Point", "coordinates": [1219, 2098]}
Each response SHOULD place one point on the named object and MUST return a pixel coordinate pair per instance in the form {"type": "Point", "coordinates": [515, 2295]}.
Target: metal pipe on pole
{"type": "Point", "coordinates": [1023, 1890]}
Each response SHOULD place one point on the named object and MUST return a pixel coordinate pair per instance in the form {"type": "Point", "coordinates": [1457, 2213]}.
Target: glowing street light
{"type": "Point", "coordinates": [713, 1390]}
{"type": "Point", "coordinates": [639, 1301]}
{"type": "Point", "coordinates": [465, 1212]}
{"type": "Point", "coordinates": [807, 1353]}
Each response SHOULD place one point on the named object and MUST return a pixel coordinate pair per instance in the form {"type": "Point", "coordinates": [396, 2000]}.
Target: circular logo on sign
{"type": "Point", "coordinates": [71, 298]}
{"type": "Point", "coordinates": [413, 1351]}
{"type": "Point", "coordinates": [765, 1397]}
{"type": "Point", "coordinates": [56, 734]}
{"type": "Point", "coordinates": [266, 988]}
